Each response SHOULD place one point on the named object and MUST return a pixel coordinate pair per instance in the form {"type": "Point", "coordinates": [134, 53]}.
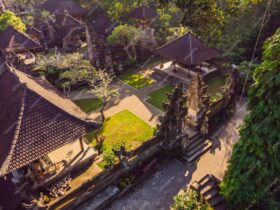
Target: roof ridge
{"type": "Point", "coordinates": [176, 39]}
{"type": "Point", "coordinates": [24, 34]}
{"type": "Point", "coordinates": [6, 164]}
{"type": "Point", "coordinates": [83, 119]}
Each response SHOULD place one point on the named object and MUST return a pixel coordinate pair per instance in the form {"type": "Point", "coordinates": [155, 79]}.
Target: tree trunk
{"type": "Point", "coordinates": [128, 53]}
{"type": "Point", "coordinates": [105, 101]}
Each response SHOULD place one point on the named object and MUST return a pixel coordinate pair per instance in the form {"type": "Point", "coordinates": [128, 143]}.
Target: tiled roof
{"type": "Point", "coordinates": [11, 40]}
{"type": "Point", "coordinates": [35, 119]}
{"type": "Point", "coordinates": [65, 24]}
{"type": "Point", "coordinates": [143, 12]}
{"type": "Point", "coordinates": [33, 31]}
{"type": "Point", "coordinates": [188, 50]}
{"type": "Point", "coordinates": [68, 21]}
{"type": "Point", "coordinates": [100, 22]}
{"type": "Point", "coordinates": [59, 7]}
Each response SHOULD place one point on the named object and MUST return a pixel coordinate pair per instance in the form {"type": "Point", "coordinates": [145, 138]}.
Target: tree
{"type": "Point", "coordinates": [119, 8]}
{"type": "Point", "coordinates": [100, 86]}
{"type": "Point", "coordinates": [108, 156]}
{"type": "Point", "coordinates": [204, 17]}
{"type": "Point", "coordinates": [8, 18]}
{"type": "Point", "coordinates": [254, 163]}
{"type": "Point", "coordinates": [188, 201]}
{"type": "Point", "coordinates": [127, 36]}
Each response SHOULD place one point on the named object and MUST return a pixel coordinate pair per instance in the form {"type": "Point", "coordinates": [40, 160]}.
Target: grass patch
{"type": "Point", "coordinates": [124, 128]}
{"type": "Point", "coordinates": [101, 164]}
{"type": "Point", "coordinates": [89, 105]}
{"type": "Point", "coordinates": [214, 85]}
{"type": "Point", "coordinates": [158, 97]}
{"type": "Point", "coordinates": [135, 80]}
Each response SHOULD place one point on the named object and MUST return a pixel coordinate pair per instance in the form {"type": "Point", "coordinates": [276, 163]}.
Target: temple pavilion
{"type": "Point", "coordinates": [187, 55]}
{"type": "Point", "coordinates": [42, 133]}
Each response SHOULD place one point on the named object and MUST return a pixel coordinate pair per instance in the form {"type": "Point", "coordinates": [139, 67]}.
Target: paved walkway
{"type": "Point", "coordinates": [158, 191]}
{"type": "Point", "coordinates": [128, 98]}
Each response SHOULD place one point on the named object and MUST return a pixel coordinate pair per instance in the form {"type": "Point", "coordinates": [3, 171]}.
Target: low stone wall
{"type": "Point", "coordinates": [141, 156]}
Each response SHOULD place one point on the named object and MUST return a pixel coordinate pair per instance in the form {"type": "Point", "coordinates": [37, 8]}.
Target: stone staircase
{"type": "Point", "coordinates": [208, 189]}
{"type": "Point", "coordinates": [197, 147]}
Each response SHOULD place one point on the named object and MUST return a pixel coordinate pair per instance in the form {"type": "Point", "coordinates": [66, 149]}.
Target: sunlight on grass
{"type": "Point", "coordinates": [158, 97]}
{"type": "Point", "coordinates": [136, 80]}
{"type": "Point", "coordinates": [124, 128]}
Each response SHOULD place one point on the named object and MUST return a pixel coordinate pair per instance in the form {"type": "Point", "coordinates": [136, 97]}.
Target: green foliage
{"type": "Point", "coordinates": [71, 67]}
{"type": "Point", "coordinates": [108, 156]}
{"type": "Point", "coordinates": [188, 201]}
{"type": "Point", "coordinates": [127, 36]}
{"type": "Point", "coordinates": [204, 17]}
{"type": "Point", "coordinates": [119, 8]}
{"type": "Point", "coordinates": [176, 32]}
{"type": "Point", "coordinates": [246, 69]}
{"type": "Point", "coordinates": [8, 18]}
{"type": "Point", "coordinates": [255, 159]}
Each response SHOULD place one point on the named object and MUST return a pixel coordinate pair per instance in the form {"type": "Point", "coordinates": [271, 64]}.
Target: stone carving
{"type": "Point", "coordinates": [198, 102]}
{"type": "Point", "coordinates": [173, 123]}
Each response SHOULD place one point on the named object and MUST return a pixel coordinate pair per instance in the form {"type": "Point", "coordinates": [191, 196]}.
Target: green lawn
{"type": "Point", "coordinates": [135, 80]}
{"type": "Point", "coordinates": [214, 85]}
{"type": "Point", "coordinates": [124, 128]}
{"type": "Point", "coordinates": [158, 97]}
{"type": "Point", "coordinates": [89, 105]}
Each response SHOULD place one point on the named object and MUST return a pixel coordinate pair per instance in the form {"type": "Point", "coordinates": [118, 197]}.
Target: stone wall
{"type": "Point", "coordinates": [218, 110]}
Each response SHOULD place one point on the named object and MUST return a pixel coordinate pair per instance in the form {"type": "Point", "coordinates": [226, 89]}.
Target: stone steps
{"type": "Point", "coordinates": [198, 151]}
{"type": "Point", "coordinates": [197, 147]}
{"type": "Point", "coordinates": [208, 189]}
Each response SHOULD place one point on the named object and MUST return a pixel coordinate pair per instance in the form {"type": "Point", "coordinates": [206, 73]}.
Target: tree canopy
{"type": "Point", "coordinates": [8, 18]}
{"type": "Point", "coordinates": [254, 164]}
{"type": "Point", "coordinates": [188, 201]}
{"type": "Point", "coordinates": [127, 36]}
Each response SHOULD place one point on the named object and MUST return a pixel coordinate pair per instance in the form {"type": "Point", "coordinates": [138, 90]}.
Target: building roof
{"type": "Point", "coordinates": [65, 24]}
{"type": "Point", "coordinates": [143, 12]}
{"type": "Point", "coordinates": [59, 7]}
{"type": "Point", "coordinates": [11, 40]}
{"type": "Point", "coordinates": [68, 21]}
{"type": "Point", "coordinates": [100, 22]}
{"type": "Point", "coordinates": [32, 30]}
{"type": "Point", "coordinates": [188, 50]}
{"type": "Point", "coordinates": [35, 119]}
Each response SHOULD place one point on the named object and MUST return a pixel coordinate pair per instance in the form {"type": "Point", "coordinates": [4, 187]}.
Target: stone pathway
{"type": "Point", "coordinates": [128, 98]}
{"type": "Point", "coordinates": [158, 191]}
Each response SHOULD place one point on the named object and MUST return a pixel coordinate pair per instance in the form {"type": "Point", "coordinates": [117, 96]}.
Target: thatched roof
{"type": "Point", "coordinates": [59, 7]}
{"type": "Point", "coordinates": [188, 50]}
{"type": "Point", "coordinates": [143, 12]}
{"type": "Point", "coordinates": [11, 40]}
{"type": "Point", "coordinates": [35, 119]}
